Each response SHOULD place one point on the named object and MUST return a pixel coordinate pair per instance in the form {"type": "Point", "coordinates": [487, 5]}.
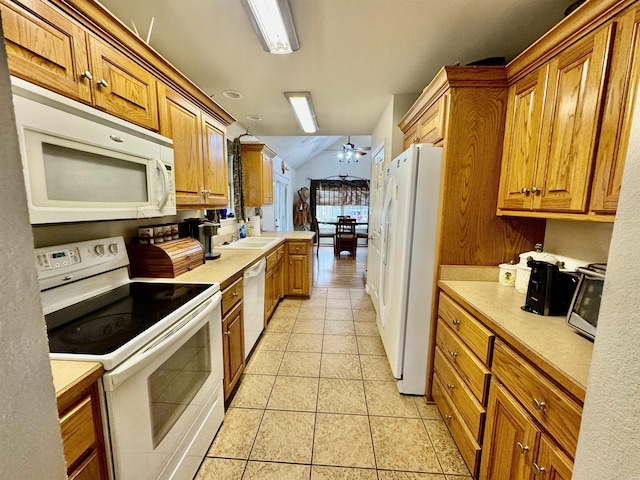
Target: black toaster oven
{"type": "Point", "coordinates": [585, 306]}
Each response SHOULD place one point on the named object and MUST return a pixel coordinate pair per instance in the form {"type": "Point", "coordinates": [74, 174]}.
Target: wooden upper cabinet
{"type": "Point", "coordinates": [46, 47]}
{"type": "Point", "coordinates": [257, 174]}
{"type": "Point", "coordinates": [617, 114]}
{"type": "Point", "coordinates": [570, 124]}
{"type": "Point", "coordinates": [122, 87]}
{"type": "Point", "coordinates": [214, 163]}
{"type": "Point", "coordinates": [198, 151]}
{"type": "Point", "coordinates": [432, 125]}
{"type": "Point", "coordinates": [521, 139]}
{"type": "Point", "coordinates": [552, 129]}
{"type": "Point", "coordinates": [180, 120]}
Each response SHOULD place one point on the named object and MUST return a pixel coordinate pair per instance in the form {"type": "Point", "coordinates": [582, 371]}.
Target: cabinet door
{"type": "Point", "coordinates": [551, 462]}
{"type": "Point", "coordinates": [434, 122]}
{"type": "Point", "coordinates": [122, 87]}
{"type": "Point", "coordinates": [269, 289]}
{"type": "Point", "coordinates": [278, 293]}
{"type": "Point", "coordinates": [45, 47]}
{"type": "Point", "coordinates": [180, 121]}
{"type": "Point", "coordinates": [521, 137]}
{"type": "Point", "coordinates": [617, 114]}
{"type": "Point", "coordinates": [411, 136]}
{"type": "Point", "coordinates": [298, 275]}
{"type": "Point", "coordinates": [252, 168]}
{"type": "Point", "coordinates": [214, 163]}
{"type": "Point", "coordinates": [267, 180]}
{"type": "Point", "coordinates": [572, 112]}
{"type": "Point", "coordinates": [233, 348]}
{"type": "Point", "coordinates": [510, 439]}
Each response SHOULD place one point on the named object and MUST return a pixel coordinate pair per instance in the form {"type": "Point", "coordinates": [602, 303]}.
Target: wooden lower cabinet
{"type": "Point", "coordinates": [299, 267]}
{"type": "Point", "coordinates": [233, 348]}
{"type": "Point", "coordinates": [83, 437]}
{"type": "Point", "coordinates": [232, 332]}
{"type": "Point", "coordinates": [551, 462]}
{"type": "Point", "coordinates": [273, 283]}
{"type": "Point", "coordinates": [511, 438]}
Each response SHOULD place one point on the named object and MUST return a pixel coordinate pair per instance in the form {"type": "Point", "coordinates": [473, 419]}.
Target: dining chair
{"type": "Point", "coordinates": [346, 239]}
{"type": "Point", "coordinates": [319, 235]}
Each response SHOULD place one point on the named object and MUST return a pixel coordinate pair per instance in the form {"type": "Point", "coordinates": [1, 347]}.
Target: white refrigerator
{"type": "Point", "coordinates": [409, 233]}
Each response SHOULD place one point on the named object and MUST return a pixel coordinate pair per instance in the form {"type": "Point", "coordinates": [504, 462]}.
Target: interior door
{"type": "Point", "coordinates": [376, 199]}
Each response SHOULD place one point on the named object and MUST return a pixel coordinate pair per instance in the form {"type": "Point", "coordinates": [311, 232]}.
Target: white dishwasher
{"type": "Point", "coordinates": [253, 292]}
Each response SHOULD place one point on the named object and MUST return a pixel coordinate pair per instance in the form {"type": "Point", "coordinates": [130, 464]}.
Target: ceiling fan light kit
{"type": "Point", "coordinates": [350, 153]}
{"type": "Point", "coordinates": [303, 110]}
{"type": "Point", "coordinates": [272, 22]}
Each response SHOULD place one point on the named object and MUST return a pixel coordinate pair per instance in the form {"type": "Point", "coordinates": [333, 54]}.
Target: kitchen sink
{"type": "Point", "coordinates": [251, 243]}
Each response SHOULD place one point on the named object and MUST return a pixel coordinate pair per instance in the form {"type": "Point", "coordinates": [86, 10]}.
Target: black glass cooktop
{"type": "Point", "coordinates": [104, 323]}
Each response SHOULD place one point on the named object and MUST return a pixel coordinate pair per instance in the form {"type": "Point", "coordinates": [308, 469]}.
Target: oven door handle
{"type": "Point", "coordinates": [167, 340]}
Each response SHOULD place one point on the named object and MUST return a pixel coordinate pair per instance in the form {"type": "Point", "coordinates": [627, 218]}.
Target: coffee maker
{"type": "Point", "coordinates": [550, 291]}
{"type": "Point", "coordinates": [207, 231]}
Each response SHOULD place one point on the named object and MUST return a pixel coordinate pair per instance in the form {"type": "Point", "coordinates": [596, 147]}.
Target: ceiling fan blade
{"type": "Point", "coordinates": [364, 148]}
{"type": "Point", "coordinates": [358, 152]}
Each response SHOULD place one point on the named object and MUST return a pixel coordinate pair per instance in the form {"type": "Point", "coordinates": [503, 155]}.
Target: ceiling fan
{"type": "Point", "coordinates": [349, 152]}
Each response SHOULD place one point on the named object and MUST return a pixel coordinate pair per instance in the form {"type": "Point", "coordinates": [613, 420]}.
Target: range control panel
{"type": "Point", "coordinates": [63, 263]}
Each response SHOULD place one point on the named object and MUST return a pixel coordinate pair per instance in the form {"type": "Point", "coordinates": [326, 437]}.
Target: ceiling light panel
{"type": "Point", "coordinates": [272, 21]}
{"type": "Point", "coordinates": [303, 110]}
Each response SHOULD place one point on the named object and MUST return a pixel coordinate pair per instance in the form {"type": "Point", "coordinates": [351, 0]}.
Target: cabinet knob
{"type": "Point", "coordinates": [235, 294]}
{"type": "Point", "coordinates": [537, 470]}
{"type": "Point", "coordinates": [455, 321]}
{"type": "Point", "coordinates": [227, 333]}
{"type": "Point", "coordinates": [447, 417]}
{"type": "Point", "coordinates": [290, 263]}
{"type": "Point", "coordinates": [535, 190]}
{"type": "Point", "coordinates": [525, 191]}
{"type": "Point", "coordinates": [86, 74]}
{"type": "Point", "coordinates": [450, 386]}
{"type": "Point", "coordinates": [453, 354]}
{"type": "Point", "coordinates": [538, 405]}
{"type": "Point", "coordinates": [103, 83]}
{"type": "Point", "coordinates": [522, 448]}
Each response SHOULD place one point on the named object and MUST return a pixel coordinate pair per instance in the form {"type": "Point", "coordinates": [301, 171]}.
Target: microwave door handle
{"type": "Point", "coordinates": [165, 183]}
{"type": "Point", "coordinates": [173, 335]}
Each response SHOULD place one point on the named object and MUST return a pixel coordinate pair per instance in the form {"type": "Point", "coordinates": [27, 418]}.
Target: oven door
{"type": "Point", "coordinates": [165, 403]}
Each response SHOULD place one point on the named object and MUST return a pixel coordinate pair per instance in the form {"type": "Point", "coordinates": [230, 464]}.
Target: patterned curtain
{"type": "Point", "coordinates": [238, 192]}
{"type": "Point", "coordinates": [338, 192]}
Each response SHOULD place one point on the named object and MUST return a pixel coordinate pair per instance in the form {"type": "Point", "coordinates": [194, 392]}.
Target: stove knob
{"type": "Point", "coordinates": [113, 248]}
{"type": "Point", "coordinates": [99, 250]}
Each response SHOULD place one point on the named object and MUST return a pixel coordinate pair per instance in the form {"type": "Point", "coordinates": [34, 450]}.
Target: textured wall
{"type": "Point", "coordinates": [610, 435]}
{"type": "Point", "coordinates": [30, 443]}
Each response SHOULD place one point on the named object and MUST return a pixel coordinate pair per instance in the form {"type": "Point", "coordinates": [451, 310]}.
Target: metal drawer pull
{"type": "Point", "coordinates": [522, 448]}
{"type": "Point", "coordinates": [116, 138]}
{"type": "Point", "coordinates": [455, 321]}
{"type": "Point", "coordinates": [539, 405]}
{"type": "Point", "coordinates": [103, 83]}
{"type": "Point", "coordinates": [538, 470]}
{"type": "Point", "coordinates": [450, 386]}
{"type": "Point", "coordinates": [87, 74]}
{"type": "Point", "coordinates": [447, 417]}
{"type": "Point", "coordinates": [453, 354]}
{"type": "Point", "coordinates": [235, 294]}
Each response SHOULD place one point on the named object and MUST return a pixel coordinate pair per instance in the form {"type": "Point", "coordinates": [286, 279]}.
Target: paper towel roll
{"type": "Point", "coordinates": [254, 224]}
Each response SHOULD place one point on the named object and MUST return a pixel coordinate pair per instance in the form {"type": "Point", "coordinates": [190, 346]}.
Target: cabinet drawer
{"type": "Point", "coordinates": [554, 409]}
{"type": "Point", "coordinates": [231, 295]}
{"type": "Point", "coordinates": [78, 431]}
{"type": "Point", "coordinates": [469, 448]}
{"type": "Point", "coordinates": [469, 408]}
{"type": "Point", "coordinates": [472, 370]}
{"type": "Point", "coordinates": [297, 248]}
{"type": "Point", "coordinates": [272, 260]}
{"type": "Point", "coordinates": [470, 330]}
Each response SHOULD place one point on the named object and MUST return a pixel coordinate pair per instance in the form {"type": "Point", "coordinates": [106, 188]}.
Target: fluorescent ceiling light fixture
{"type": "Point", "coordinates": [303, 110]}
{"type": "Point", "coordinates": [272, 21]}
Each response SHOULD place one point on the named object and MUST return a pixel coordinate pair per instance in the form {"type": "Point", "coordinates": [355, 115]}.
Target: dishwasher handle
{"type": "Point", "coordinates": [255, 269]}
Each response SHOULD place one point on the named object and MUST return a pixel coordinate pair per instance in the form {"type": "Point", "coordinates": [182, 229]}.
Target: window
{"type": "Point", "coordinates": [329, 213]}
{"type": "Point", "coordinates": [331, 198]}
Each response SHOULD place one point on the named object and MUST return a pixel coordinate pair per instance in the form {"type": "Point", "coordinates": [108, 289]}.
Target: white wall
{"type": "Point", "coordinates": [30, 442]}
{"type": "Point", "coordinates": [609, 439]}
{"type": "Point", "coordinates": [578, 243]}
{"type": "Point", "coordinates": [387, 131]}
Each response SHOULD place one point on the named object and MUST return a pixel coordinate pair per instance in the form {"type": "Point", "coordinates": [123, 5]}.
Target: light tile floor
{"type": "Point", "coordinates": [318, 401]}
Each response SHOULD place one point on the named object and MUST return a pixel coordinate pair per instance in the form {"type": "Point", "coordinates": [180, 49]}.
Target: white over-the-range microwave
{"type": "Point", "coordinates": [81, 164]}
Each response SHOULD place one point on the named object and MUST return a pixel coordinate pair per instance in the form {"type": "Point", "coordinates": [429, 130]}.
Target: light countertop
{"type": "Point", "coordinates": [546, 341]}
{"type": "Point", "coordinates": [71, 376]}
{"type": "Point", "coordinates": [233, 261]}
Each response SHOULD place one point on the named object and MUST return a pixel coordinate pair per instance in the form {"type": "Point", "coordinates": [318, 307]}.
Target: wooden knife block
{"type": "Point", "coordinates": [165, 260]}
